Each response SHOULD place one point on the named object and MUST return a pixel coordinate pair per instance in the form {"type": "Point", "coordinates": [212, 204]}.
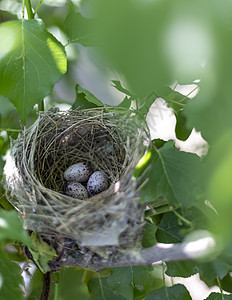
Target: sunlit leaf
{"type": "Point", "coordinates": [31, 61]}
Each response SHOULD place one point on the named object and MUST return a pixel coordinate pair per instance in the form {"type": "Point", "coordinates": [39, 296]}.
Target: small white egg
{"type": "Point", "coordinates": [76, 190]}
{"type": "Point", "coordinates": [79, 172]}
{"type": "Point", "coordinates": [97, 183]}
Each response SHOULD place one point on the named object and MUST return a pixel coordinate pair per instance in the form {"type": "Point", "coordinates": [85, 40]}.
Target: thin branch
{"type": "Point", "coordinates": [148, 256]}
{"type": "Point", "coordinates": [46, 286]}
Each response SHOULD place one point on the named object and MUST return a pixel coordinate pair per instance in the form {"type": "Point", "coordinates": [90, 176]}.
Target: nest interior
{"type": "Point", "coordinates": [108, 140]}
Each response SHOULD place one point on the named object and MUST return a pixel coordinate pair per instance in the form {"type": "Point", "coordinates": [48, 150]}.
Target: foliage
{"type": "Point", "coordinates": [144, 47]}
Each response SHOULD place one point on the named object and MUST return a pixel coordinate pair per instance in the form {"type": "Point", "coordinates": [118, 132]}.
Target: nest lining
{"type": "Point", "coordinates": [109, 141]}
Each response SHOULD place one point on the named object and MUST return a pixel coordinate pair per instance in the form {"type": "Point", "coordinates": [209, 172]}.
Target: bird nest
{"type": "Point", "coordinates": [100, 227]}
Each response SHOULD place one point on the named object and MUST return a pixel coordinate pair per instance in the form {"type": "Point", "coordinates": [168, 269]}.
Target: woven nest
{"type": "Point", "coordinates": [108, 140]}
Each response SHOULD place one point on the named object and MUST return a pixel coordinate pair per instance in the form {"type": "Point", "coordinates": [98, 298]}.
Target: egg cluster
{"type": "Point", "coordinates": [82, 182]}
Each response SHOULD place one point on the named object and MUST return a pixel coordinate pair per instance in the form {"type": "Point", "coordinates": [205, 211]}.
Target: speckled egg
{"type": "Point", "coordinates": [79, 172]}
{"type": "Point", "coordinates": [76, 190]}
{"type": "Point", "coordinates": [97, 183]}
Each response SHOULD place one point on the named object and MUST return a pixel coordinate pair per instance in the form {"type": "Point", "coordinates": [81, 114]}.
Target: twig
{"type": "Point", "coordinates": [46, 286]}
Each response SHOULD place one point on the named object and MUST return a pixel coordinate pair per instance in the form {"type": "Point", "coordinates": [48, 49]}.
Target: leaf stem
{"type": "Point", "coordinates": [23, 8]}
{"type": "Point", "coordinates": [56, 277]}
{"type": "Point", "coordinates": [10, 130]}
{"type": "Point", "coordinates": [189, 93]}
{"type": "Point", "coordinates": [29, 10]}
{"type": "Point", "coordinates": [38, 6]}
{"type": "Point", "coordinates": [100, 283]}
{"type": "Point", "coordinates": [157, 211]}
{"type": "Point", "coordinates": [183, 219]}
{"type": "Point", "coordinates": [220, 287]}
{"type": "Point", "coordinates": [176, 102]}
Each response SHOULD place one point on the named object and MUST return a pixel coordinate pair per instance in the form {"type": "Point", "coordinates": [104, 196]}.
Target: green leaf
{"type": "Point", "coordinates": [219, 188]}
{"type": "Point", "coordinates": [174, 99]}
{"type": "Point", "coordinates": [120, 282]}
{"type": "Point", "coordinates": [175, 292]}
{"type": "Point", "coordinates": [207, 113]}
{"type": "Point", "coordinates": [31, 62]}
{"type": "Point", "coordinates": [41, 252]}
{"type": "Point", "coordinates": [7, 16]}
{"type": "Point", "coordinates": [182, 131]}
{"type": "Point", "coordinates": [3, 201]}
{"type": "Point", "coordinates": [149, 231]}
{"type": "Point", "coordinates": [184, 269]}
{"type": "Point", "coordinates": [119, 87]}
{"type": "Point", "coordinates": [158, 143]}
{"type": "Point", "coordinates": [123, 32]}
{"type": "Point", "coordinates": [144, 109]}
{"type": "Point", "coordinates": [85, 99]}
{"type": "Point", "coordinates": [126, 103]}
{"type": "Point", "coordinates": [100, 290]}
{"type": "Point", "coordinates": [219, 296]}
{"type": "Point", "coordinates": [226, 283]}
{"type": "Point", "coordinates": [143, 163]}
{"type": "Point", "coordinates": [211, 270]}
{"type": "Point", "coordinates": [4, 146]}
{"type": "Point", "coordinates": [72, 286]}
{"type": "Point", "coordinates": [169, 230]}
{"type": "Point", "coordinates": [79, 29]}
{"type": "Point", "coordinates": [10, 278]}
{"type": "Point", "coordinates": [11, 227]}
{"type": "Point", "coordinates": [142, 280]}
{"type": "Point", "coordinates": [36, 285]}
{"type": "Point", "coordinates": [173, 174]}
{"type": "Point", "coordinates": [130, 282]}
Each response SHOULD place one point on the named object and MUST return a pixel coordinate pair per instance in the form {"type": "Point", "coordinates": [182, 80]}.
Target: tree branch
{"type": "Point", "coordinates": [147, 256]}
